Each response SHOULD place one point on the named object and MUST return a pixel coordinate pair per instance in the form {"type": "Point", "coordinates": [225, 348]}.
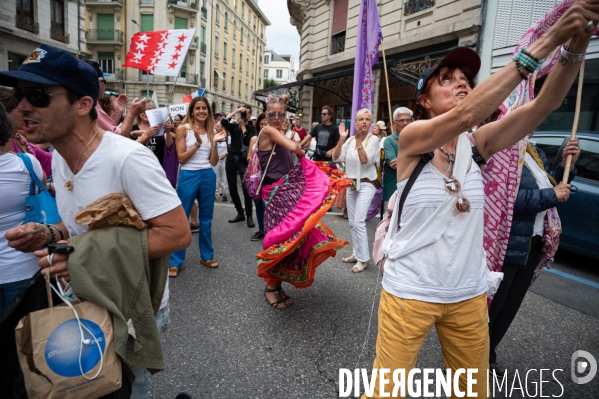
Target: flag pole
{"type": "Point", "coordinates": [170, 95]}
{"type": "Point", "coordinates": [387, 82]}
{"type": "Point", "coordinates": [575, 124]}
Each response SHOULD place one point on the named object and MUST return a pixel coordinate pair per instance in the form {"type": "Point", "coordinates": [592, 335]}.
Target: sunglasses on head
{"type": "Point", "coordinates": [273, 114]}
{"type": "Point", "coordinates": [39, 98]}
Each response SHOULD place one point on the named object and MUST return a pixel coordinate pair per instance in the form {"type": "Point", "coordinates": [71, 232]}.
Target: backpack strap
{"type": "Point", "coordinates": [421, 164]}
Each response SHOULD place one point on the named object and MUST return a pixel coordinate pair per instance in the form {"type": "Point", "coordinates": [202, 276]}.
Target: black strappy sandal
{"type": "Point", "coordinates": [283, 295]}
{"type": "Point", "coordinates": [280, 300]}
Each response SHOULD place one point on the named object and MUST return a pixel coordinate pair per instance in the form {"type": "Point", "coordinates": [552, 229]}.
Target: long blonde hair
{"type": "Point", "coordinates": [209, 125]}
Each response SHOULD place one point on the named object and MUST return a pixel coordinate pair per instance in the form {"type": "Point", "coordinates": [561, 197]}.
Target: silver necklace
{"type": "Point", "coordinates": [450, 160]}
{"type": "Point", "coordinates": [69, 184]}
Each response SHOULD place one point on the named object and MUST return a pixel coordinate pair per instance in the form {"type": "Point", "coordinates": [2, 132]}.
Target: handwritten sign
{"type": "Point", "coordinates": [180, 109]}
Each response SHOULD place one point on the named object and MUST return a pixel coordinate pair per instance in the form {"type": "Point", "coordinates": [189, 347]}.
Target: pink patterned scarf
{"type": "Point", "coordinates": [503, 172]}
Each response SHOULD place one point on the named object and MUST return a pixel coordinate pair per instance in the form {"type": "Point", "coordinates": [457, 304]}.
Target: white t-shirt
{"type": "Point", "coordinates": [223, 147]}
{"type": "Point", "coordinates": [290, 134]}
{"type": "Point", "coordinates": [14, 190]}
{"type": "Point", "coordinates": [119, 165]}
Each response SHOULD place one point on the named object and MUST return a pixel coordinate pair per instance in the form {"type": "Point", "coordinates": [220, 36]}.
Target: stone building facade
{"type": "Point", "coordinates": [24, 24]}
{"type": "Point", "coordinates": [279, 67]}
{"type": "Point", "coordinates": [416, 33]}
{"type": "Point", "coordinates": [238, 39]}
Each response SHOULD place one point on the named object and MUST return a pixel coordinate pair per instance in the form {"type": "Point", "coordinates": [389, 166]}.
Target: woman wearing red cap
{"type": "Point", "coordinates": [436, 273]}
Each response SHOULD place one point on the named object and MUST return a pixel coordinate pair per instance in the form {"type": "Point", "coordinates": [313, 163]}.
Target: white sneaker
{"type": "Point", "coordinates": [360, 266]}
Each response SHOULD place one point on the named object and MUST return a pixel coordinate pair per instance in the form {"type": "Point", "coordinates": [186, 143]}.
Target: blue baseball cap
{"type": "Point", "coordinates": [50, 66]}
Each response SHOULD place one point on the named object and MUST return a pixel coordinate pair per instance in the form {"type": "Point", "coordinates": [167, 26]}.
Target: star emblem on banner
{"type": "Point", "coordinates": [141, 45]}
{"type": "Point", "coordinates": [182, 38]}
{"type": "Point", "coordinates": [144, 38]}
{"type": "Point", "coordinates": [172, 65]}
{"type": "Point", "coordinates": [175, 56]}
{"type": "Point", "coordinates": [138, 56]}
{"type": "Point", "coordinates": [178, 47]}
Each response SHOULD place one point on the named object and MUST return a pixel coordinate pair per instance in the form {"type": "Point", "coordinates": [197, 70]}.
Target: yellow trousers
{"type": "Point", "coordinates": [463, 333]}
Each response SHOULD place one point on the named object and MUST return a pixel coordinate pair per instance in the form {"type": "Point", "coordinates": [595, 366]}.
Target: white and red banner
{"type": "Point", "coordinates": [160, 52]}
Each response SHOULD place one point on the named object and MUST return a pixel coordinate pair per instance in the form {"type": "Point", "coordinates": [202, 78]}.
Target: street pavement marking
{"type": "Point", "coordinates": [574, 278]}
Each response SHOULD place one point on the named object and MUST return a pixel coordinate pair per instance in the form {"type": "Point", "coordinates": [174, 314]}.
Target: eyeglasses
{"type": "Point", "coordinates": [111, 93]}
{"type": "Point", "coordinates": [324, 114]}
{"type": "Point", "coordinates": [273, 114]}
{"type": "Point", "coordinates": [454, 187]}
{"type": "Point", "coordinates": [403, 121]}
{"type": "Point", "coordinates": [39, 98]}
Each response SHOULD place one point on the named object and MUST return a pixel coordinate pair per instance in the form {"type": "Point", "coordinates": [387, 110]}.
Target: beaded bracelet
{"type": "Point", "coordinates": [59, 231]}
{"type": "Point", "coordinates": [526, 60]}
{"type": "Point", "coordinates": [52, 235]}
{"type": "Point", "coordinates": [522, 70]}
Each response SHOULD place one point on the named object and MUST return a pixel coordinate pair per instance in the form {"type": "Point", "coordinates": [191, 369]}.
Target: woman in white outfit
{"type": "Point", "coordinates": [221, 175]}
{"type": "Point", "coordinates": [436, 273]}
{"type": "Point", "coordinates": [360, 153]}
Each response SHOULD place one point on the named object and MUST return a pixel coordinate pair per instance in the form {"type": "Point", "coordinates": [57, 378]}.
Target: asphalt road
{"type": "Point", "coordinates": [224, 341]}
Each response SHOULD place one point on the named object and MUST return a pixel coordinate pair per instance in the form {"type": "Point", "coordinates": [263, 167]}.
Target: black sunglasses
{"type": "Point", "coordinates": [39, 98]}
{"type": "Point", "coordinates": [273, 114]}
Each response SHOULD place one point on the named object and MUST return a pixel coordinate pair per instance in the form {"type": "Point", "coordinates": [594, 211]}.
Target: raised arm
{"type": "Point", "coordinates": [277, 137]}
{"type": "Point", "coordinates": [426, 135]}
{"type": "Point", "coordinates": [343, 133]}
{"type": "Point", "coordinates": [499, 135]}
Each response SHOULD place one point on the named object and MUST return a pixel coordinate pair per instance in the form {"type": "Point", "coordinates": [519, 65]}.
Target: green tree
{"type": "Point", "coordinates": [269, 83]}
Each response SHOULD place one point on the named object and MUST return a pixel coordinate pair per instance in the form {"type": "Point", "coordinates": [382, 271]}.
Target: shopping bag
{"type": "Point", "coordinates": [67, 352]}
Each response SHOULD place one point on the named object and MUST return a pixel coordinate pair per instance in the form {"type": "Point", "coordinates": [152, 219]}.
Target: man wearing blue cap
{"type": "Point", "coordinates": [57, 94]}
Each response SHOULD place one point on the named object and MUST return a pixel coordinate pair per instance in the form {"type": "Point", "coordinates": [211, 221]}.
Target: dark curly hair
{"type": "Point", "coordinates": [6, 126]}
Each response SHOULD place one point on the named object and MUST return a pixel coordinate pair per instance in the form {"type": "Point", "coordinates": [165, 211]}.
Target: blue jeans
{"type": "Point", "coordinates": [143, 378]}
{"type": "Point", "coordinates": [200, 185]}
{"type": "Point", "coordinates": [9, 291]}
{"type": "Point", "coordinates": [260, 214]}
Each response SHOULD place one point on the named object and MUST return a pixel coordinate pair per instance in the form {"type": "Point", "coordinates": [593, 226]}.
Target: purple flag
{"type": "Point", "coordinates": [367, 54]}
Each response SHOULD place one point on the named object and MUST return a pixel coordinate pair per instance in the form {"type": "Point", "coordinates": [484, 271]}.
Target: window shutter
{"type": "Point", "coordinates": [339, 16]}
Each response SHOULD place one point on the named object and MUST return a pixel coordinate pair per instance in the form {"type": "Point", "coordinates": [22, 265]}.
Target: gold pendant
{"type": "Point", "coordinates": [69, 185]}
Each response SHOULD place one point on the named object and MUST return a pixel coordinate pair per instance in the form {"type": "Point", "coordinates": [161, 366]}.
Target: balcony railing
{"type": "Point", "coordinates": [26, 22]}
{"type": "Point", "coordinates": [118, 2]}
{"type": "Point", "coordinates": [57, 33]}
{"type": "Point", "coordinates": [338, 43]}
{"type": "Point", "coordinates": [184, 77]}
{"type": "Point", "coordinates": [194, 43]}
{"type": "Point", "coordinates": [204, 12]}
{"type": "Point", "coordinates": [116, 74]}
{"type": "Point", "coordinates": [104, 36]}
{"type": "Point", "coordinates": [146, 77]}
{"type": "Point", "coordinates": [146, 2]}
{"type": "Point", "coordinates": [414, 6]}
{"type": "Point", "coordinates": [203, 48]}
{"type": "Point", "coordinates": [189, 4]}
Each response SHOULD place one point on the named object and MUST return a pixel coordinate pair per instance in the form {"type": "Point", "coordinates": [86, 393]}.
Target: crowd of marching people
{"type": "Point", "coordinates": [107, 170]}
